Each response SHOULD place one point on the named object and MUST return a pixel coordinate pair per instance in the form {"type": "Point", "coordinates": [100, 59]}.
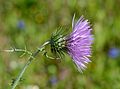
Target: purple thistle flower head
{"type": "Point", "coordinates": [77, 44]}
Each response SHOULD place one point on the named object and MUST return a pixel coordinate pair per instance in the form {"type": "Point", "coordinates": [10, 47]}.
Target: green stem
{"type": "Point", "coordinates": [26, 65]}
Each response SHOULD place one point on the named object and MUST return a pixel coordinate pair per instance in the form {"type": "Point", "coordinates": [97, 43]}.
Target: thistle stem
{"type": "Point", "coordinates": [15, 83]}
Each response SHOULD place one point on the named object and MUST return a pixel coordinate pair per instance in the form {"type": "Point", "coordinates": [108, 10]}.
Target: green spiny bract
{"type": "Point", "coordinates": [58, 43]}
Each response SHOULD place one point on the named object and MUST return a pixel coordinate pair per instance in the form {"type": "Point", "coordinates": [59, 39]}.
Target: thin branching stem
{"type": "Point", "coordinates": [19, 50]}
{"type": "Point", "coordinates": [15, 83]}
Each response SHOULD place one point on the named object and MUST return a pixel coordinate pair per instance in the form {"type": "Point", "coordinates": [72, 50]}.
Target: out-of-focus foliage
{"type": "Point", "coordinates": [31, 22]}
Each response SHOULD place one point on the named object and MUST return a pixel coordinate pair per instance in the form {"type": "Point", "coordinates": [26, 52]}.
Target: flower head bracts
{"type": "Point", "coordinates": [58, 43]}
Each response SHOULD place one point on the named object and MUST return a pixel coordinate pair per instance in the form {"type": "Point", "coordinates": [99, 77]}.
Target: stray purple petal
{"type": "Point", "coordinates": [53, 80]}
{"type": "Point", "coordinates": [114, 52]}
{"type": "Point", "coordinates": [21, 24]}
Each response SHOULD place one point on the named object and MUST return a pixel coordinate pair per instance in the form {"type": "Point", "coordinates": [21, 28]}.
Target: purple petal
{"type": "Point", "coordinates": [79, 42]}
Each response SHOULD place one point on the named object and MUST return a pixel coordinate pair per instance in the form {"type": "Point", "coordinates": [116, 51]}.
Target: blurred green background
{"type": "Point", "coordinates": [31, 22]}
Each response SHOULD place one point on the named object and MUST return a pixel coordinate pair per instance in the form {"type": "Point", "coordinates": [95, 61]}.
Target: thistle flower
{"type": "Point", "coordinates": [77, 44]}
